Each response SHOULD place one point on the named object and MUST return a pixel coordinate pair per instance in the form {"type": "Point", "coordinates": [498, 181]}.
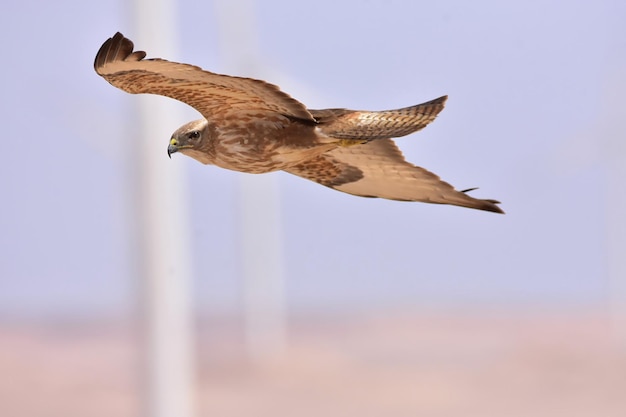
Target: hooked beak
{"type": "Point", "coordinates": [172, 147]}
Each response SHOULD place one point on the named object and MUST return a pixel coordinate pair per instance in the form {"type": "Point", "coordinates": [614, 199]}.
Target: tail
{"type": "Point", "coordinates": [372, 125]}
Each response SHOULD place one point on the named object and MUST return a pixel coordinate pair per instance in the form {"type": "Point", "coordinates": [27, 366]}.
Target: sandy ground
{"type": "Point", "coordinates": [427, 364]}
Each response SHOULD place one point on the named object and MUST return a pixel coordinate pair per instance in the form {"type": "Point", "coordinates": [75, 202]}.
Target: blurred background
{"type": "Point", "coordinates": [382, 308]}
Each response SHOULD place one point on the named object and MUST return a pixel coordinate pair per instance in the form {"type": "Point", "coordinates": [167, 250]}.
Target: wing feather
{"type": "Point", "coordinates": [378, 169]}
{"type": "Point", "coordinates": [216, 96]}
{"type": "Point", "coordinates": [372, 125]}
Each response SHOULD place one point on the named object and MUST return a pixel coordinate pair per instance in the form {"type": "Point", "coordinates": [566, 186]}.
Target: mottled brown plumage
{"type": "Point", "coordinates": [251, 126]}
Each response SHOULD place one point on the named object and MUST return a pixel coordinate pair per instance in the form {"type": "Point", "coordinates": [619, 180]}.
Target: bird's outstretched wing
{"type": "Point", "coordinates": [217, 97]}
{"type": "Point", "coordinates": [378, 169]}
{"type": "Point", "coordinates": [371, 125]}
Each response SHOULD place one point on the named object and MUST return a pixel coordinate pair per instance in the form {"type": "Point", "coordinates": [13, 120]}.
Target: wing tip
{"type": "Point", "coordinates": [483, 204]}
{"type": "Point", "coordinates": [490, 205]}
{"type": "Point", "coordinates": [439, 100]}
{"type": "Point", "coordinates": [437, 104]}
{"type": "Point", "coordinates": [116, 48]}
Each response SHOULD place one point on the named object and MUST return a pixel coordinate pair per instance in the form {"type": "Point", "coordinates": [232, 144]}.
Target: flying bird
{"type": "Point", "coordinates": [252, 126]}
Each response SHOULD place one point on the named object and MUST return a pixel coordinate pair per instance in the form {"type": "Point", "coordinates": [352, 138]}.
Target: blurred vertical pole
{"type": "Point", "coordinates": [616, 240]}
{"type": "Point", "coordinates": [165, 263]}
{"type": "Point", "coordinates": [615, 159]}
{"type": "Point", "coordinates": [260, 223]}
{"type": "Point", "coordinates": [616, 235]}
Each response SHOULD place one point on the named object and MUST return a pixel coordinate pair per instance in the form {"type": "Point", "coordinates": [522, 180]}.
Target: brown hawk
{"type": "Point", "coordinates": [251, 126]}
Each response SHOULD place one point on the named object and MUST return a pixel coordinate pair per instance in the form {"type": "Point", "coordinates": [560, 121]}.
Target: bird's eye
{"type": "Point", "coordinates": [194, 134]}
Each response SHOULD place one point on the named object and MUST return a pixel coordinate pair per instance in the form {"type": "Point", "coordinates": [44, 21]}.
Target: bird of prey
{"type": "Point", "coordinates": [252, 126]}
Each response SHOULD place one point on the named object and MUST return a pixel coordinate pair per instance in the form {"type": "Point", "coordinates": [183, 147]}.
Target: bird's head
{"type": "Point", "coordinates": [188, 137]}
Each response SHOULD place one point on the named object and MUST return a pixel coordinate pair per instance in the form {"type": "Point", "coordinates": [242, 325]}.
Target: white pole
{"type": "Point", "coordinates": [614, 156]}
{"type": "Point", "coordinates": [261, 249]}
{"type": "Point", "coordinates": [261, 234]}
{"type": "Point", "coordinates": [616, 240]}
{"type": "Point", "coordinates": [164, 233]}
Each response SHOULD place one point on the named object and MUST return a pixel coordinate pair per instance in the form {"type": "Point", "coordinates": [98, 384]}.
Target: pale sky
{"type": "Point", "coordinates": [535, 114]}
